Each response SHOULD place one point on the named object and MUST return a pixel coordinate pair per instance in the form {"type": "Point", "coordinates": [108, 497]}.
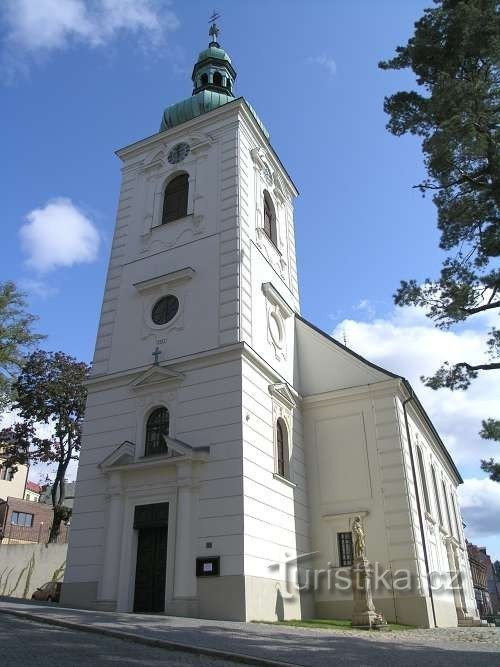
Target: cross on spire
{"type": "Point", "coordinates": [213, 33]}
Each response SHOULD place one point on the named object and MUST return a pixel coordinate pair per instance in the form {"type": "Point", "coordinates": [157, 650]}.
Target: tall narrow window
{"type": "Point", "coordinates": [157, 427]}
{"type": "Point", "coordinates": [345, 549]}
{"type": "Point", "coordinates": [455, 516]}
{"type": "Point", "coordinates": [176, 199]}
{"type": "Point", "coordinates": [269, 218]}
{"type": "Point", "coordinates": [436, 495]}
{"type": "Point", "coordinates": [447, 506]}
{"type": "Point", "coordinates": [281, 449]}
{"type": "Point", "coordinates": [217, 79]}
{"type": "Point", "coordinates": [204, 79]}
{"type": "Point", "coordinates": [424, 480]}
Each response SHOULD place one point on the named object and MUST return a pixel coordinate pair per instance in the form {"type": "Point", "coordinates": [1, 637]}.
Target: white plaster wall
{"type": "Point", "coordinates": [438, 533]}
{"type": "Point", "coordinates": [206, 410]}
{"type": "Point", "coordinates": [276, 523]}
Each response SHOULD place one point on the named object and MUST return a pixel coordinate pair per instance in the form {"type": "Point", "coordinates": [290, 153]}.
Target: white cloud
{"type": "Point", "coordinates": [59, 234]}
{"type": "Point", "coordinates": [38, 288]}
{"type": "Point", "coordinates": [41, 26]}
{"type": "Point", "coordinates": [325, 61]}
{"type": "Point", "coordinates": [407, 343]}
{"type": "Point", "coordinates": [480, 503]}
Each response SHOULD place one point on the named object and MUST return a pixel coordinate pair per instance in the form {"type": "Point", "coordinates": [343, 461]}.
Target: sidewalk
{"type": "Point", "coordinates": [261, 644]}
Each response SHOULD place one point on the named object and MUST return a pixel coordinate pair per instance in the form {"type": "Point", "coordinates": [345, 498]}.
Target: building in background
{"type": "Point", "coordinates": [480, 580]}
{"type": "Point", "coordinates": [46, 490]}
{"type": "Point", "coordinates": [12, 483]}
{"type": "Point", "coordinates": [24, 521]}
{"type": "Point", "coordinates": [490, 579]}
{"type": "Point", "coordinates": [225, 436]}
{"type": "Point", "coordinates": [32, 491]}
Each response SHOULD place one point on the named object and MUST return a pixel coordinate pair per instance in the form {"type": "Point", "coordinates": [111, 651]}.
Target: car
{"type": "Point", "coordinates": [49, 592]}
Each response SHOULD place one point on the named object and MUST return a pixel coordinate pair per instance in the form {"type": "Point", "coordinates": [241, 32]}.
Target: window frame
{"type": "Point", "coordinates": [151, 440]}
{"type": "Point", "coordinates": [346, 557]}
{"type": "Point", "coordinates": [24, 515]}
{"type": "Point", "coordinates": [436, 495]}
{"type": "Point", "coordinates": [271, 228]}
{"type": "Point", "coordinates": [182, 193]}
{"type": "Point", "coordinates": [423, 480]}
{"type": "Point", "coordinates": [282, 465]}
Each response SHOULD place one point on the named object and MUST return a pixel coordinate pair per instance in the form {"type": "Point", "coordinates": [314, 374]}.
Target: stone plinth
{"type": "Point", "coordinates": [364, 614]}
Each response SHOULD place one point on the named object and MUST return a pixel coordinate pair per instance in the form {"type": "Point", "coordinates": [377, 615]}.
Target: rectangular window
{"type": "Point", "coordinates": [345, 549]}
{"type": "Point", "coordinates": [447, 506]}
{"type": "Point", "coordinates": [21, 519]}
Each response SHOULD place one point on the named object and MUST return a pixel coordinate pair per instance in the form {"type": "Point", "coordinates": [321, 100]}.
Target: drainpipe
{"type": "Point", "coordinates": [419, 507]}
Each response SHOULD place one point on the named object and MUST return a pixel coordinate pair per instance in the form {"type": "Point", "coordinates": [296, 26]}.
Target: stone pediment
{"type": "Point", "coordinates": [155, 376]}
{"type": "Point", "coordinates": [188, 451]}
{"type": "Point", "coordinates": [283, 393]}
{"type": "Point", "coordinates": [122, 455]}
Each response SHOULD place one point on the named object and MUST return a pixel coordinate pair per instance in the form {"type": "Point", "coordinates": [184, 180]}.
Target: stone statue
{"type": "Point", "coordinates": [364, 614]}
{"type": "Point", "coordinates": [359, 538]}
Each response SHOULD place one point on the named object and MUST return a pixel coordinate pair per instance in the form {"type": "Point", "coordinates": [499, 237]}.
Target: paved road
{"type": "Point", "coordinates": [456, 647]}
{"type": "Point", "coordinates": [32, 644]}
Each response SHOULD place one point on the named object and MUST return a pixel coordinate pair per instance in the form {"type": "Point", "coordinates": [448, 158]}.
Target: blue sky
{"type": "Point", "coordinates": [80, 79]}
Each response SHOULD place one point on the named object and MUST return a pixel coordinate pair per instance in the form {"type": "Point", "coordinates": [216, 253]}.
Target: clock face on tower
{"type": "Point", "coordinates": [178, 153]}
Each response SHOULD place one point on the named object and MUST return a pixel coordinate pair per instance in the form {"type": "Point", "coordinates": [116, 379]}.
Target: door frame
{"type": "Point", "coordinates": [128, 560]}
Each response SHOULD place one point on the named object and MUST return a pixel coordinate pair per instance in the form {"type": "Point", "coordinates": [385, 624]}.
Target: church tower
{"type": "Point", "coordinates": [186, 454]}
{"type": "Point", "coordinates": [226, 439]}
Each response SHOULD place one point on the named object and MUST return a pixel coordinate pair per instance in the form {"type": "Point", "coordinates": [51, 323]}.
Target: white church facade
{"type": "Point", "coordinates": [225, 437]}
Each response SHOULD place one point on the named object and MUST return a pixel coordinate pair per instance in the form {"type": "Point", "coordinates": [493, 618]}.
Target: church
{"type": "Point", "coordinates": [228, 443]}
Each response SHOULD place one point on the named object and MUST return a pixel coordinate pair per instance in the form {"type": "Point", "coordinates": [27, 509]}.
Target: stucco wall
{"type": "Point", "coordinates": [25, 567]}
{"type": "Point", "coordinates": [14, 487]}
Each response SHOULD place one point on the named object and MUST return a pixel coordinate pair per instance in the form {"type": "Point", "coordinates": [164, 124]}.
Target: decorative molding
{"type": "Point", "coordinates": [282, 392]}
{"type": "Point", "coordinates": [345, 515]}
{"type": "Point", "coordinates": [277, 300]}
{"type": "Point", "coordinates": [173, 278]}
{"type": "Point", "coordinates": [123, 454]}
{"type": "Point", "coordinates": [155, 376]}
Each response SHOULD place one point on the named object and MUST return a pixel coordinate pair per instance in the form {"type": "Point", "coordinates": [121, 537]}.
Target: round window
{"type": "Point", "coordinates": [165, 309]}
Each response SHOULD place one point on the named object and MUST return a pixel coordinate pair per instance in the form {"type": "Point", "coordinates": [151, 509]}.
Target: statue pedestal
{"type": "Point", "coordinates": [364, 614]}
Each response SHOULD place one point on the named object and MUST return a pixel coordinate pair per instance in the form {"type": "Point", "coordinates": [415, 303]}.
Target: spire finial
{"type": "Point", "coordinates": [213, 33]}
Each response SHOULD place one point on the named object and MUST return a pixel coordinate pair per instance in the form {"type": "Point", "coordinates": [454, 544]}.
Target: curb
{"type": "Point", "coordinates": [149, 641]}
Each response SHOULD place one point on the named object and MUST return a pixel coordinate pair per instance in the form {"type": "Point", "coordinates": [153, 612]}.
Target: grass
{"type": "Point", "coordinates": [332, 623]}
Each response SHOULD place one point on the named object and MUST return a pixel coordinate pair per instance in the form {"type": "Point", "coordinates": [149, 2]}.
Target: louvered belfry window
{"type": "Point", "coordinates": [176, 199]}
{"type": "Point", "coordinates": [157, 426]}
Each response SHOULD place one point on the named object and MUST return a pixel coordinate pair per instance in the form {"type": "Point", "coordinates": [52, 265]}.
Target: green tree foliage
{"type": "Point", "coordinates": [50, 390]}
{"type": "Point", "coordinates": [16, 336]}
{"type": "Point", "coordinates": [455, 55]}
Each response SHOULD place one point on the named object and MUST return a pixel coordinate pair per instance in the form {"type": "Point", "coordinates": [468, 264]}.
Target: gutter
{"type": "Point", "coordinates": [419, 507]}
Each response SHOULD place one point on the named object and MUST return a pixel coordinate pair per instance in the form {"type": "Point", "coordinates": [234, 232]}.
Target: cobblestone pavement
{"type": "Point", "coordinates": [33, 644]}
{"type": "Point", "coordinates": [296, 646]}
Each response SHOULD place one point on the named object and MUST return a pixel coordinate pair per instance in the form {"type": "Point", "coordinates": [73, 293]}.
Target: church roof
{"type": "Point", "coordinates": [196, 105]}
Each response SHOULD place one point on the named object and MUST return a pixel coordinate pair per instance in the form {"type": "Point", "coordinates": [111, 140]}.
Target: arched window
{"type": "Point", "coordinates": [269, 218]}
{"type": "Point", "coordinates": [424, 480]}
{"type": "Point", "coordinates": [156, 427]}
{"type": "Point", "coordinates": [281, 449]}
{"type": "Point", "coordinates": [217, 79]}
{"type": "Point", "coordinates": [175, 199]}
{"type": "Point", "coordinates": [204, 79]}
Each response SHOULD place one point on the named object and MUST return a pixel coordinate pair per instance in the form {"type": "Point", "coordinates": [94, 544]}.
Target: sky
{"type": "Point", "coordinates": [81, 78]}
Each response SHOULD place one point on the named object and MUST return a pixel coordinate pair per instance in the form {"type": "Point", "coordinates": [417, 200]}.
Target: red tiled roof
{"type": "Point", "coordinates": [33, 486]}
